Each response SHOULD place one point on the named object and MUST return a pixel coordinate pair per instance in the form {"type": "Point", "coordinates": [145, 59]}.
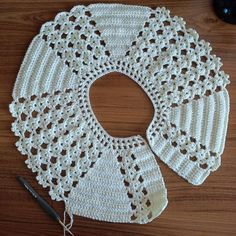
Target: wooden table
{"type": "Point", "coordinates": [124, 110]}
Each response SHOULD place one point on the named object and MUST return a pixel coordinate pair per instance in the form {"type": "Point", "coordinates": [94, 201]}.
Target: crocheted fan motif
{"type": "Point", "coordinates": [96, 175]}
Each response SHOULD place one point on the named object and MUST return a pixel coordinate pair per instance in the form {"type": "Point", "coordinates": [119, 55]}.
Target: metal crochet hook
{"type": "Point", "coordinates": [43, 203]}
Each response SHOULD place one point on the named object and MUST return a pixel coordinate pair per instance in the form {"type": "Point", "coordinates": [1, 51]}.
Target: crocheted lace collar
{"type": "Point", "coordinates": [104, 177]}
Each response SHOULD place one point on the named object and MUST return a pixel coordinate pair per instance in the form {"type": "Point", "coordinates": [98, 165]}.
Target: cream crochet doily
{"type": "Point", "coordinates": [96, 175]}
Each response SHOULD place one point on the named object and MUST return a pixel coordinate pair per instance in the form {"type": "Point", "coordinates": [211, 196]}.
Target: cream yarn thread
{"type": "Point", "coordinates": [69, 149]}
{"type": "Point", "coordinates": [69, 225]}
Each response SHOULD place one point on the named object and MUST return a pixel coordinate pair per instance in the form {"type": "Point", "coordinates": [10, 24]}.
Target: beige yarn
{"type": "Point", "coordinates": [96, 175]}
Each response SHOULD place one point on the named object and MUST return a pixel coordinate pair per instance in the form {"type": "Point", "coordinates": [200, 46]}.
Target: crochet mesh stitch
{"type": "Point", "coordinates": [96, 175]}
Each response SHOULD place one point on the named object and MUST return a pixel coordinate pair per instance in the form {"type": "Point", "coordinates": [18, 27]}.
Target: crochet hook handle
{"type": "Point", "coordinates": [42, 202]}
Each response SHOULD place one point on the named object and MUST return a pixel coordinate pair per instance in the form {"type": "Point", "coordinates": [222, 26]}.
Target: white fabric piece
{"type": "Point", "coordinates": [97, 175]}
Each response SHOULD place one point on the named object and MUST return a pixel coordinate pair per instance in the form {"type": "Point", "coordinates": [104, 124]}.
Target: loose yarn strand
{"type": "Point", "coordinates": [70, 224]}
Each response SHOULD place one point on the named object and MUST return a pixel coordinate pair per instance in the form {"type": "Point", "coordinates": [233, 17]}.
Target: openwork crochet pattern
{"type": "Point", "coordinates": [95, 174]}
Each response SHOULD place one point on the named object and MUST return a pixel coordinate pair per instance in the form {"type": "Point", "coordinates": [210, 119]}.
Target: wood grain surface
{"type": "Point", "coordinates": [124, 110]}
